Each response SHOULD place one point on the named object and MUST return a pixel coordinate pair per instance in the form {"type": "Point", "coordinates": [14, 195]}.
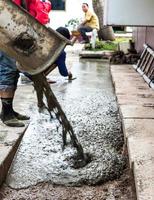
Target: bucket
{"type": "Point", "coordinates": [22, 37]}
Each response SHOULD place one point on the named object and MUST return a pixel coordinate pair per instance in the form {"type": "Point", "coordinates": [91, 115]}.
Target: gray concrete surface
{"type": "Point", "coordinates": [122, 188]}
{"type": "Point", "coordinates": [96, 54]}
{"type": "Point", "coordinates": [136, 104]}
{"type": "Point", "coordinates": [90, 105]}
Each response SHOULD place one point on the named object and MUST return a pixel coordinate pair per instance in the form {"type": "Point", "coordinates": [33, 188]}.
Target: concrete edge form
{"type": "Point", "coordinates": [8, 150]}
{"type": "Point", "coordinates": [136, 104]}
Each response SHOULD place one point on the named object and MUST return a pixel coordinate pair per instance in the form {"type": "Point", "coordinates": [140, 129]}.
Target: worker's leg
{"type": "Point", "coordinates": [8, 83]}
{"type": "Point", "coordinates": [61, 63]}
{"type": "Point", "coordinates": [83, 30]}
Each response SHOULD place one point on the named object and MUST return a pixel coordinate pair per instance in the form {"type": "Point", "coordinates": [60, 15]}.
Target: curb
{"type": "Point", "coordinates": [8, 148]}
{"type": "Point", "coordinates": [96, 54]}
{"type": "Point", "coordinates": [135, 99]}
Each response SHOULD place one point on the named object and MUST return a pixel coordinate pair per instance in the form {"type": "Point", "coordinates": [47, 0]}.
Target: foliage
{"type": "Point", "coordinates": [107, 45]}
{"type": "Point", "coordinates": [103, 45]}
{"type": "Point", "coordinates": [72, 23]}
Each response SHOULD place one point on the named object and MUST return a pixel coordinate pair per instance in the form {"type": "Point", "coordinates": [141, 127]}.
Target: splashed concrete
{"type": "Point", "coordinates": [90, 105]}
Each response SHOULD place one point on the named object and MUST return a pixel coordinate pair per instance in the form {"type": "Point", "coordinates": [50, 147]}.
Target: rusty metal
{"type": "Point", "coordinates": [33, 45]}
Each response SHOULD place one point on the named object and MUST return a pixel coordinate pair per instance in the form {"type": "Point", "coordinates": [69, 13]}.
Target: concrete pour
{"type": "Point", "coordinates": [90, 105]}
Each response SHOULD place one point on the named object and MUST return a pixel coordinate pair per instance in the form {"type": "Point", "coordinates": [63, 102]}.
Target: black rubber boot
{"type": "Point", "coordinates": [13, 122]}
{"type": "Point", "coordinates": [20, 116]}
{"type": "Point", "coordinates": [8, 115]}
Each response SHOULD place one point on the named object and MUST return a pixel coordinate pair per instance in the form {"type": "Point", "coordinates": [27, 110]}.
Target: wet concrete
{"type": "Point", "coordinates": [90, 105]}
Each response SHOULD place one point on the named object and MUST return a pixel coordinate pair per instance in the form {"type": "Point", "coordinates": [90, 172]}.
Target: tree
{"type": "Point", "coordinates": [105, 32]}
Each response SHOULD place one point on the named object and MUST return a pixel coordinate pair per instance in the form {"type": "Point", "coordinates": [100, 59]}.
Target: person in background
{"type": "Point", "coordinates": [90, 22]}
{"type": "Point", "coordinates": [61, 60]}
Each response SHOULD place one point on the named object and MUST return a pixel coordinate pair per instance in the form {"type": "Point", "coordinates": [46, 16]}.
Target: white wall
{"type": "Point", "coordinates": [129, 12]}
{"type": "Point", "coordinates": [73, 10]}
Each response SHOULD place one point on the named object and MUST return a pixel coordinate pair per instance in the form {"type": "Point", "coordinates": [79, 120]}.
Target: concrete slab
{"type": "Point", "coordinates": [140, 149]}
{"type": "Point", "coordinates": [144, 179]}
{"type": "Point", "coordinates": [119, 71]}
{"type": "Point", "coordinates": [141, 128]}
{"type": "Point", "coordinates": [127, 85]}
{"type": "Point", "coordinates": [133, 99]}
{"type": "Point", "coordinates": [136, 103]}
{"type": "Point", "coordinates": [95, 54]}
{"type": "Point", "coordinates": [129, 75]}
{"type": "Point", "coordinates": [9, 135]}
{"type": "Point", "coordinates": [131, 91]}
{"type": "Point", "coordinates": [128, 88]}
{"type": "Point", "coordinates": [137, 111]}
{"type": "Point", "coordinates": [144, 94]}
{"type": "Point", "coordinates": [117, 67]}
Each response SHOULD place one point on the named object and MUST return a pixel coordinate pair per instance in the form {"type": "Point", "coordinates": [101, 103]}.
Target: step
{"type": "Point", "coordinates": [126, 99]}
{"type": "Point", "coordinates": [137, 111]}
{"type": "Point", "coordinates": [136, 105]}
{"type": "Point", "coordinates": [138, 128]}
{"type": "Point", "coordinates": [144, 179]}
{"type": "Point", "coordinates": [95, 54]}
{"type": "Point", "coordinates": [140, 149]}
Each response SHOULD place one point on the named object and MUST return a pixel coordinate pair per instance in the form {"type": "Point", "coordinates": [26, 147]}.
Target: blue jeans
{"type": "Point", "coordinates": [83, 29]}
{"type": "Point", "coordinates": [61, 63]}
{"type": "Point", "coordinates": [9, 73]}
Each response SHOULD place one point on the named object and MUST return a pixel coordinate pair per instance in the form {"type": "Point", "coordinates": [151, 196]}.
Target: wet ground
{"type": "Point", "coordinates": [120, 189]}
{"type": "Point", "coordinates": [90, 105]}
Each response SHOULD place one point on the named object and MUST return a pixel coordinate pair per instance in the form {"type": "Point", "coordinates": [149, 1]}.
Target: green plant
{"type": "Point", "coordinates": [103, 45]}
{"type": "Point", "coordinates": [72, 23]}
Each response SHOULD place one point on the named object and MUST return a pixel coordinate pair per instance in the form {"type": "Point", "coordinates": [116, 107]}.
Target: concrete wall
{"type": "Point", "coordinates": [143, 35]}
{"type": "Point", "coordinates": [73, 10]}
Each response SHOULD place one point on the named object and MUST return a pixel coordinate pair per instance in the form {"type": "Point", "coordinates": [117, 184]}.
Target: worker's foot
{"type": "Point", "coordinates": [21, 117]}
{"type": "Point", "coordinates": [70, 76]}
{"type": "Point", "coordinates": [11, 120]}
{"type": "Point", "coordinates": [14, 122]}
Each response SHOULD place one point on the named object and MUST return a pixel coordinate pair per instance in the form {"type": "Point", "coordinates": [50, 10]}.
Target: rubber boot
{"type": "Point", "coordinates": [8, 115]}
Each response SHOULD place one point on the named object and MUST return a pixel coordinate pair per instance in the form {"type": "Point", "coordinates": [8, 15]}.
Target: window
{"type": "Point", "coordinates": [58, 4]}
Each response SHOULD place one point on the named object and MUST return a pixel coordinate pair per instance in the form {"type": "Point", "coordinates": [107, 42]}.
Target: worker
{"type": "Point", "coordinates": [9, 73]}
{"type": "Point", "coordinates": [90, 22]}
{"type": "Point", "coordinates": [8, 84]}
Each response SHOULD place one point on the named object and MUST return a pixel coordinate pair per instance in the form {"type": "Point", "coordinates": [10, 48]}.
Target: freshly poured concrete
{"type": "Point", "coordinates": [90, 105]}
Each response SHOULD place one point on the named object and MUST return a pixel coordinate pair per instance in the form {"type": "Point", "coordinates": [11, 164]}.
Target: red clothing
{"type": "Point", "coordinates": [43, 8]}
{"type": "Point", "coordinates": [18, 2]}
{"type": "Point", "coordinates": [38, 8]}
